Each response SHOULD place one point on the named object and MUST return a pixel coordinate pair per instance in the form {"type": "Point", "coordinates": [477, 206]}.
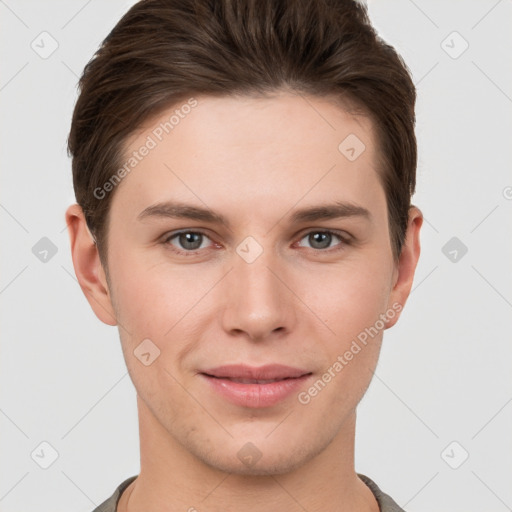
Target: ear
{"type": "Point", "coordinates": [88, 268]}
{"type": "Point", "coordinates": [404, 270]}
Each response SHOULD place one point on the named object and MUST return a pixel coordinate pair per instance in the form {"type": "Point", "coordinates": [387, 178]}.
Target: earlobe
{"type": "Point", "coordinates": [88, 268]}
{"type": "Point", "coordinates": [406, 267]}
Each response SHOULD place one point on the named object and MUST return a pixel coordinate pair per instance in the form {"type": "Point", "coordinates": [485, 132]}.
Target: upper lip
{"type": "Point", "coordinates": [242, 371]}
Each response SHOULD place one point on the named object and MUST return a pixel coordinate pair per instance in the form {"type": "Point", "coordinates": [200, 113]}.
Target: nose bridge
{"type": "Point", "coordinates": [258, 302]}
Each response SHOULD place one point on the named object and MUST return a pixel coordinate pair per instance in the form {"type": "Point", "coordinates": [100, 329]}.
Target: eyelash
{"type": "Point", "coordinates": [344, 241]}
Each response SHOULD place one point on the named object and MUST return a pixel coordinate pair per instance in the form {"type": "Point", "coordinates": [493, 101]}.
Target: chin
{"type": "Point", "coordinates": [260, 457]}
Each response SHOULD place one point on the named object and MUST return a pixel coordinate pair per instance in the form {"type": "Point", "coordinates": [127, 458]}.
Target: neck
{"type": "Point", "coordinates": [171, 479]}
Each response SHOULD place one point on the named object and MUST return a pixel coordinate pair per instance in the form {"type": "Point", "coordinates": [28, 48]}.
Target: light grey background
{"type": "Point", "coordinates": [444, 373]}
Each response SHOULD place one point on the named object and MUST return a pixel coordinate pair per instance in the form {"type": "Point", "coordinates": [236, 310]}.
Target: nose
{"type": "Point", "coordinates": [259, 303]}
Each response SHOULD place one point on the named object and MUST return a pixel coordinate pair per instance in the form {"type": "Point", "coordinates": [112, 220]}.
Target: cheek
{"type": "Point", "coordinates": [351, 306]}
{"type": "Point", "coordinates": [347, 299]}
{"type": "Point", "coordinates": [163, 304]}
{"type": "Point", "coordinates": [149, 297]}
{"type": "Point", "coordinates": [350, 303]}
{"type": "Point", "coordinates": [151, 307]}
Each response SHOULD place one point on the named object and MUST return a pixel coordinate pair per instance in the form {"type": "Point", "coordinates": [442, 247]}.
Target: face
{"type": "Point", "coordinates": [257, 321]}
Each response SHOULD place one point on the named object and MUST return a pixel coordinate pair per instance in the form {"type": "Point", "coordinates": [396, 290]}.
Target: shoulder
{"type": "Point", "coordinates": [110, 504]}
{"type": "Point", "coordinates": [386, 503]}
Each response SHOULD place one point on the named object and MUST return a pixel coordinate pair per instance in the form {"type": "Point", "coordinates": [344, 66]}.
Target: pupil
{"type": "Point", "coordinates": [319, 237]}
{"type": "Point", "coordinates": [188, 240]}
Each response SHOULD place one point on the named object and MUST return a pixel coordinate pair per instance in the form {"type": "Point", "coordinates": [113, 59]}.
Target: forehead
{"type": "Point", "coordinates": [272, 149]}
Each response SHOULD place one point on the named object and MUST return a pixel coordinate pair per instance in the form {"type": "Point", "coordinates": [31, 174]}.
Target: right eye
{"type": "Point", "coordinates": [187, 242]}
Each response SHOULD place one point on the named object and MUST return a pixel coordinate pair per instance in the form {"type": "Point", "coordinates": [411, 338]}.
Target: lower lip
{"type": "Point", "coordinates": [256, 395]}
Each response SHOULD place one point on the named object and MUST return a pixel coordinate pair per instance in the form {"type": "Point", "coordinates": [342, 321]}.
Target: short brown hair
{"type": "Point", "coordinates": [162, 51]}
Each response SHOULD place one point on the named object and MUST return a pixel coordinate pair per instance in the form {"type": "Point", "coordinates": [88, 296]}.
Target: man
{"type": "Point", "coordinates": [243, 172]}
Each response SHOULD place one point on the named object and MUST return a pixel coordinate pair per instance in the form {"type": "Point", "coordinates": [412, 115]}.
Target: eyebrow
{"type": "Point", "coordinates": [176, 210]}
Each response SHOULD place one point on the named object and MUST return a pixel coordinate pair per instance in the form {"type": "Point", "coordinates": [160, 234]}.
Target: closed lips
{"type": "Point", "coordinates": [245, 374]}
{"type": "Point", "coordinates": [251, 381]}
{"type": "Point", "coordinates": [255, 386]}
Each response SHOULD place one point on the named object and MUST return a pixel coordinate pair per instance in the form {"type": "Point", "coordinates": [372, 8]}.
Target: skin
{"type": "Point", "coordinates": [300, 303]}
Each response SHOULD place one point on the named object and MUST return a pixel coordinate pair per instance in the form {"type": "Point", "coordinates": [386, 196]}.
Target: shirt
{"type": "Point", "coordinates": [386, 503]}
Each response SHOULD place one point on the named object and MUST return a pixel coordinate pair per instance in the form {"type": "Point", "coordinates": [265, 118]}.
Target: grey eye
{"type": "Point", "coordinates": [320, 239]}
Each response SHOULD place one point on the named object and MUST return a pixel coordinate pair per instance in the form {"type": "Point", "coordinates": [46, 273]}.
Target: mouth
{"type": "Point", "coordinates": [267, 372]}
{"type": "Point", "coordinates": [255, 387]}
{"type": "Point", "coordinates": [250, 381]}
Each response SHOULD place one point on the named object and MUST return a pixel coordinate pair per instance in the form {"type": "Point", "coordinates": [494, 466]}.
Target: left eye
{"type": "Point", "coordinates": [321, 239]}
{"type": "Point", "coordinates": [188, 240]}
